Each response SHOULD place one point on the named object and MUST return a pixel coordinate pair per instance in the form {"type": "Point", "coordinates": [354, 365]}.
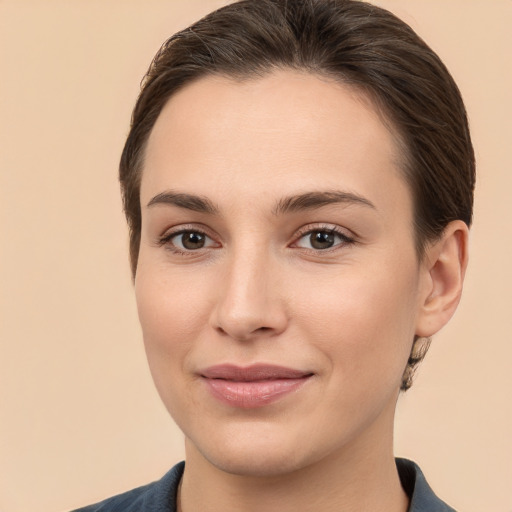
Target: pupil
{"type": "Point", "coordinates": [322, 240]}
{"type": "Point", "coordinates": [193, 240]}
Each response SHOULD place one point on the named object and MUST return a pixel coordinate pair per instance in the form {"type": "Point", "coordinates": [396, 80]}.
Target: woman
{"type": "Point", "coordinates": [298, 181]}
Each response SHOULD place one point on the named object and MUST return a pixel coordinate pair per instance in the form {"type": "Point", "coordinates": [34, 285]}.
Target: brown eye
{"type": "Point", "coordinates": [193, 240]}
{"type": "Point", "coordinates": [187, 240]}
{"type": "Point", "coordinates": [190, 240]}
{"type": "Point", "coordinates": [322, 239]}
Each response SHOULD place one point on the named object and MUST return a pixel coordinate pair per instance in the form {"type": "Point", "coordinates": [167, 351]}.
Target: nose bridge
{"type": "Point", "coordinates": [250, 295]}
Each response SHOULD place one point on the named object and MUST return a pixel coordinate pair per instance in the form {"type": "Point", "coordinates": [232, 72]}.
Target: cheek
{"type": "Point", "coordinates": [171, 305]}
{"type": "Point", "coordinates": [173, 313]}
{"type": "Point", "coordinates": [364, 325]}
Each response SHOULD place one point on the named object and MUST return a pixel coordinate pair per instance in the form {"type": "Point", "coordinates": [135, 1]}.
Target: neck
{"type": "Point", "coordinates": [362, 476]}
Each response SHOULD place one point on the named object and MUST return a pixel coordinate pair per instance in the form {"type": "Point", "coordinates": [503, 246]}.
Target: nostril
{"type": "Point", "coordinates": [242, 319]}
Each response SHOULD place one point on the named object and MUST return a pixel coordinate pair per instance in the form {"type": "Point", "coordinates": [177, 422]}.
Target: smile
{"type": "Point", "coordinates": [253, 386]}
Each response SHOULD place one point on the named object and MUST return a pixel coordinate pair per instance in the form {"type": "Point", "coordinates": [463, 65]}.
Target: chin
{"type": "Point", "coordinates": [255, 452]}
{"type": "Point", "coordinates": [266, 464]}
{"type": "Point", "coordinates": [261, 452]}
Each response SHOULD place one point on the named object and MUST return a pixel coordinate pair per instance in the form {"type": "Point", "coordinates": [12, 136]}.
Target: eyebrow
{"type": "Point", "coordinates": [188, 201]}
{"type": "Point", "coordinates": [312, 200]}
{"type": "Point", "coordinates": [291, 204]}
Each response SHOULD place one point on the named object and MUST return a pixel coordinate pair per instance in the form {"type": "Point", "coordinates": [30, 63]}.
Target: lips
{"type": "Point", "coordinates": [252, 386]}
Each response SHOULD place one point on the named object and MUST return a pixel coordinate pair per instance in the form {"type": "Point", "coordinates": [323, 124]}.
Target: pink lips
{"type": "Point", "coordinates": [252, 386]}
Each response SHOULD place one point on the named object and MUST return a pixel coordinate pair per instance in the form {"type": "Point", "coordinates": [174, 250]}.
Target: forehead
{"type": "Point", "coordinates": [288, 129]}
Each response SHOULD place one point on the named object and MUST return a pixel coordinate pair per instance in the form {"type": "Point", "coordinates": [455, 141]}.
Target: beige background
{"type": "Point", "coordinates": [79, 418]}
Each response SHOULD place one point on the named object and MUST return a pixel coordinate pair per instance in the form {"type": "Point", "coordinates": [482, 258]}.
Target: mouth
{"type": "Point", "coordinates": [253, 386]}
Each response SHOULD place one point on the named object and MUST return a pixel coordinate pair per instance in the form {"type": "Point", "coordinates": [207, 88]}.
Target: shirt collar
{"type": "Point", "coordinates": [422, 497]}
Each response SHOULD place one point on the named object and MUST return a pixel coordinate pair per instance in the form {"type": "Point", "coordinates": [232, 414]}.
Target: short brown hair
{"type": "Point", "coordinates": [351, 41]}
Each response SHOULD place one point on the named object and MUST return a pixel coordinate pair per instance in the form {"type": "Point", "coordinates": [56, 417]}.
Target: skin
{"type": "Point", "coordinates": [258, 291]}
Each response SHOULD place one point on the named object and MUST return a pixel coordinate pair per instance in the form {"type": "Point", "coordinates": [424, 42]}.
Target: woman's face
{"type": "Point", "coordinates": [277, 285]}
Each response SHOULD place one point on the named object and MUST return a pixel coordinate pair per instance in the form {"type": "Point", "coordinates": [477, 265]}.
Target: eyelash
{"type": "Point", "coordinates": [166, 240]}
{"type": "Point", "coordinates": [305, 231]}
{"type": "Point", "coordinates": [346, 240]}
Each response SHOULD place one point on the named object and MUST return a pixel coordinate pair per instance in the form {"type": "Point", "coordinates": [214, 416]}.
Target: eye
{"type": "Point", "coordinates": [322, 239]}
{"type": "Point", "coordinates": [187, 240]}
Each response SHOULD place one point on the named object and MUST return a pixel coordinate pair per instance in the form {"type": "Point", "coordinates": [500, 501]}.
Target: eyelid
{"type": "Point", "coordinates": [170, 233]}
{"type": "Point", "coordinates": [347, 237]}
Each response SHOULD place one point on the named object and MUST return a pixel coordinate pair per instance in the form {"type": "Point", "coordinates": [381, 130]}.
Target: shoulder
{"type": "Point", "coordinates": [416, 486]}
{"type": "Point", "coordinates": [159, 496]}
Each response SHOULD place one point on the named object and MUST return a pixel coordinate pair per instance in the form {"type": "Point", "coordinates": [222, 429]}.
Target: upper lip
{"type": "Point", "coordinates": [255, 372]}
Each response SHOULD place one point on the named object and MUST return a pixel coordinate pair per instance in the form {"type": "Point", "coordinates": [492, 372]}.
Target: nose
{"type": "Point", "coordinates": [250, 302]}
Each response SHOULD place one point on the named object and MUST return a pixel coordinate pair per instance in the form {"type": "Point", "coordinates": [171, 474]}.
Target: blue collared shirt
{"type": "Point", "coordinates": [160, 496]}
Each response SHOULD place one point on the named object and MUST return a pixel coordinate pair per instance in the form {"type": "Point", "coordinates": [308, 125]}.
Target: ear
{"type": "Point", "coordinates": [443, 269]}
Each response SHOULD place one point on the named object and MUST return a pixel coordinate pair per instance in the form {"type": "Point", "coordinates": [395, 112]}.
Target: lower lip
{"type": "Point", "coordinates": [249, 395]}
